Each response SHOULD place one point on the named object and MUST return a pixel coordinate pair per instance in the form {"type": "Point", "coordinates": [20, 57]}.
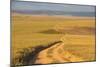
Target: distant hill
{"type": "Point", "coordinates": [48, 12]}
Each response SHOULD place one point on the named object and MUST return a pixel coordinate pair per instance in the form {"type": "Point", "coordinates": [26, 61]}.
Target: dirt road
{"type": "Point", "coordinates": [56, 54]}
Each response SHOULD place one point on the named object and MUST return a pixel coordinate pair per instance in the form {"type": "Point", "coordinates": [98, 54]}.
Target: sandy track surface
{"type": "Point", "coordinates": [42, 57]}
{"type": "Point", "coordinates": [56, 54]}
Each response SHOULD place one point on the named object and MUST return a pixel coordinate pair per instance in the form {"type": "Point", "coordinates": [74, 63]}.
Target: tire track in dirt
{"type": "Point", "coordinates": [55, 56]}
{"type": "Point", "coordinates": [64, 56]}
{"type": "Point", "coordinates": [42, 57]}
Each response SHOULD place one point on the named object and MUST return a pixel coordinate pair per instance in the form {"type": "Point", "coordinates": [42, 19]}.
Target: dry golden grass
{"type": "Point", "coordinates": [77, 33]}
{"type": "Point", "coordinates": [80, 45]}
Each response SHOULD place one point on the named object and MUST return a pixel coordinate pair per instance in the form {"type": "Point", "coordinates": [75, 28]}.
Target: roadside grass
{"type": "Point", "coordinates": [28, 56]}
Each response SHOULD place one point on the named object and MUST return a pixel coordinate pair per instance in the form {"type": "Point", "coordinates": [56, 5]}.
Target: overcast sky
{"type": "Point", "coordinates": [18, 5]}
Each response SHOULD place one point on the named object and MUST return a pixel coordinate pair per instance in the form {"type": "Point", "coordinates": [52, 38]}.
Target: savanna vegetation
{"type": "Point", "coordinates": [32, 34]}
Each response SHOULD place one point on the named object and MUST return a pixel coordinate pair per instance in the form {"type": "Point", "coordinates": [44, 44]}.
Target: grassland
{"type": "Point", "coordinates": [77, 34]}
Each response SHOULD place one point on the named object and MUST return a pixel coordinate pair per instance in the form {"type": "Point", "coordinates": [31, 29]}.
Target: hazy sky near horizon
{"type": "Point", "coordinates": [32, 6]}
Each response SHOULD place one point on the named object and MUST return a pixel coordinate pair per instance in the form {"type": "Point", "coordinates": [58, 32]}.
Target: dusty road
{"type": "Point", "coordinates": [56, 54]}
